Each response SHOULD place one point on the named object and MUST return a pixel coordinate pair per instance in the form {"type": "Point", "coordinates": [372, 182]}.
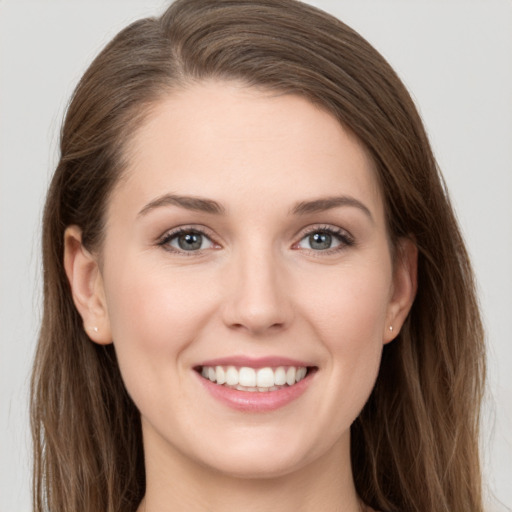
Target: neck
{"type": "Point", "coordinates": [174, 482]}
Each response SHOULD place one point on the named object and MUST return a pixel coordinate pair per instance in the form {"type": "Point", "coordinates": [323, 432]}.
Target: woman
{"type": "Point", "coordinates": [256, 293]}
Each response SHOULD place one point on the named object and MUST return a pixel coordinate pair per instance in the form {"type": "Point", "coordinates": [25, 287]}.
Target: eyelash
{"type": "Point", "coordinates": [345, 239]}
{"type": "Point", "coordinates": [165, 240]}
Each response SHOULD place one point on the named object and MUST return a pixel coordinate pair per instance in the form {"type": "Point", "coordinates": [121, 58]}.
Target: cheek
{"type": "Point", "coordinates": [152, 306]}
{"type": "Point", "coordinates": [152, 325]}
{"type": "Point", "coordinates": [154, 316]}
{"type": "Point", "coordinates": [349, 318]}
{"type": "Point", "coordinates": [349, 307]}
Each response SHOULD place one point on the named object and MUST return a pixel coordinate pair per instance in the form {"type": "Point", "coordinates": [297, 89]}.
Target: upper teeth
{"type": "Point", "coordinates": [261, 378]}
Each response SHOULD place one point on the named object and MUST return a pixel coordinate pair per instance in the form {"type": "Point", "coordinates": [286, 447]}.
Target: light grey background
{"type": "Point", "coordinates": [455, 57]}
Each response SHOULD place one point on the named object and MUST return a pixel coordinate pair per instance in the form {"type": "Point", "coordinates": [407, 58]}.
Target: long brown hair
{"type": "Point", "coordinates": [415, 444]}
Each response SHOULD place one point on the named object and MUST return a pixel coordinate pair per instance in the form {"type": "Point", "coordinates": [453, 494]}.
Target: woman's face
{"type": "Point", "coordinates": [247, 243]}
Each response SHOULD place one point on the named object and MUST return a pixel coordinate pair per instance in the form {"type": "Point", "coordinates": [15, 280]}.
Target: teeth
{"type": "Point", "coordinates": [280, 376]}
{"type": "Point", "coordinates": [265, 378]}
{"type": "Point", "coordinates": [252, 389]}
{"type": "Point", "coordinates": [221, 375]}
{"type": "Point", "coordinates": [300, 374]}
{"type": "Point", "coordinates": [232, 376]}
{"type": "Point", "coordinates": [290, 376]}
{"type": "Point", "coordinates": [247, 377]}
{"type": "Point", "coordinates": [250, 379]}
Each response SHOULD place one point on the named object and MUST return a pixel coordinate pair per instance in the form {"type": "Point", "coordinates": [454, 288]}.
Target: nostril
{"type": "Point", "coordinates": [257, 327]}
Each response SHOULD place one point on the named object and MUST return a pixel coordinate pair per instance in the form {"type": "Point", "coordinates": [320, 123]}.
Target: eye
{"type": "Point", "coordinates": [188, 240]}
{"type": "Point", "coordinates": [325, 239]}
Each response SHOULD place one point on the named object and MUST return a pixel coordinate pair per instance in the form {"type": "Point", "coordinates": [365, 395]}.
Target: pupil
{"type": "Point", "coordinates": [320, 241]}
{"type": "Point", "coordinates": [190, 241]}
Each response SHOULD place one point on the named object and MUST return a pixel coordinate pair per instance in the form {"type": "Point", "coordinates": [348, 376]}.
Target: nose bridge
{"type": "Point", "coordinates": [257, 297]}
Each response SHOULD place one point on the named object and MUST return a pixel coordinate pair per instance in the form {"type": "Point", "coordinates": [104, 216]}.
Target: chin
{"type": "Point", "coordinates": [259, 468]}
{"type": "Point", "coordinates": [263, 456]}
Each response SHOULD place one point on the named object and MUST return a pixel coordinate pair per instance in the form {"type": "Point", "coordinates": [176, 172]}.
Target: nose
{"type": "Point", "coordinates": [257, 296]}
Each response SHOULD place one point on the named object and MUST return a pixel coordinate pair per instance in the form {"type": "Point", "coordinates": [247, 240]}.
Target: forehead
{"type": "Point", "coordinates": [232, 142]}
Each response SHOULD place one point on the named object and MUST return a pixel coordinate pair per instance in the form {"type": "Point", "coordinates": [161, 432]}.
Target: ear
{"type": "Point", "coordinates": [405, 284]}
{"type": "Point", "coordinates": [86, 283]}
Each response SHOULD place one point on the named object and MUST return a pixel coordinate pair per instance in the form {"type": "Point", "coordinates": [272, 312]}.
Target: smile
{"type": "Point", "coordinates": [255, 385]}
{"type": "Point", "coordinates": [249, 379]}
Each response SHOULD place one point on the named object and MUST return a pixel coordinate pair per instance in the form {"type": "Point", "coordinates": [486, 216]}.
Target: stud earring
{"type": "Point", "coordinates": [391, 328]}
{"type": "Point", "coordinates": [95, 329]}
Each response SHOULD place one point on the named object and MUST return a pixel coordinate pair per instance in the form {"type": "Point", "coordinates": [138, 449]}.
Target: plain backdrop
{"type": "Point", "coordinates": [454, 56]}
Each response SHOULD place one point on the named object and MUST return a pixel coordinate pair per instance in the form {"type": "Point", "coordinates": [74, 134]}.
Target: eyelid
{"type": "Point", "coordinates": [164, 239]}
{"type": "Point", "coordinates": [345, 237]}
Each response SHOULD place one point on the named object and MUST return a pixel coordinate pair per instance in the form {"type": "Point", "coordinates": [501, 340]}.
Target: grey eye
{"type": "Point", "coordinates": [319, 241]}
{"type": "Point", "coordinates": [190, 241]}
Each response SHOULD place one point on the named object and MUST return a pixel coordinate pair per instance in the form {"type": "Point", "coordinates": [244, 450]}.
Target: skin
{"type": "Point", "coordinates": [256, 288]}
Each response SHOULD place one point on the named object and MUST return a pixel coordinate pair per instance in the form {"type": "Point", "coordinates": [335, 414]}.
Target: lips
{"type": "Point", "coordinates": [255, 384]}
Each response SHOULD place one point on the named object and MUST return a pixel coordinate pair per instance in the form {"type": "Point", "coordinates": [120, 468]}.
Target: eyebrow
{"type": "Point", "coordinates": [193, 203]}
{"type": "Point", "coordinates": [328, 203]}
{"type": "Point", "coordinates": [210, 206]}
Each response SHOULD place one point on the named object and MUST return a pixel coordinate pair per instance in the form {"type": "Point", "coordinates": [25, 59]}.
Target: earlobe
{"type": "Point", "coordinates": [405, 283]}
{"type": "Point", "coordinates": [86, 284]}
